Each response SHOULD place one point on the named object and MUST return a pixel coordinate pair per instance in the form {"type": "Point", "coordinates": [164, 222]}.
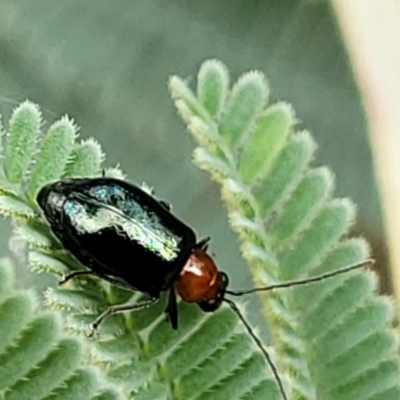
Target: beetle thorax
{"type": "Point", "coordinates": [200, 281]}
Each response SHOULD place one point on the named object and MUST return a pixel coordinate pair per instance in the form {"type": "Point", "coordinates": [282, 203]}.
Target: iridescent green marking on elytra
{"type": "Point", "coordinates": [117, 197]}
{"type": "Point", "coordinates": [144, 228]}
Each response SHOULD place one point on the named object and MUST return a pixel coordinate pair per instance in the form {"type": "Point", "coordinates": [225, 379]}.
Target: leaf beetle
{"type": "Point", "coordinates": [123, 234]}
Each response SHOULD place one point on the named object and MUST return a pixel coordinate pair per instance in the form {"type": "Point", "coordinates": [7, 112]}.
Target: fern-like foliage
{"type": "Point", "coordinates": [334, 339]}
{"type": "Point", "coordinates": [208, 357]}
{"type": "Point", "coordinates": [37, 360]}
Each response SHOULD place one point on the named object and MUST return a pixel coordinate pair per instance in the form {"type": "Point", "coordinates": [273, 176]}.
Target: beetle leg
{"type": "Point", "coordinates": [172, 309]}
{"type": "Point", "coordinates": [86, 272]}
{"type": "Point", "coordinates": [203, 244]}
{"type": "Point", "coordinates": [74, 274]}
{"type": "Point", "coordinates": [120, 308]}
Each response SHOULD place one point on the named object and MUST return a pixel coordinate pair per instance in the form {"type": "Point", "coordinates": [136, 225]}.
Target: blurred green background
{"type": "Point", "coordinates": [107, 63]}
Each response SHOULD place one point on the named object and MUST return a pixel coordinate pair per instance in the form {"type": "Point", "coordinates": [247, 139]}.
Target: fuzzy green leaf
{"type": "Point", "coordinates": [55, 368]}
{"type": "Point", "coordinates": [119, 349]}
{"type": "Point", "coordinates": [38, 360]}
{"type": "Point", "coordinates": [305, 203]}
{"type": "Point", "coordinates": [200, 344]}
{"type": "Point", "coordinates": [35, 235]}
{"type": "Point", "coordinates": [12, 206]}
{"type": "Point", "coordinates": [15, 314]}
{"type": "Point", "coordinates": [85, 159]}
{"type": "Point", "coordinates": [80, 386]}
{"type": "Point", "coordinates": [233, 353]}
{"type": "Point", "coordinates": [261, 148]}
{"type": "Point", "coordinates": [33, 342]}
{"type": "Point", "coordinates": [285, 174]}
{"type": "Point", "coordinates": [41, 262]}
{"type": "Point", "coordinates": [213, 86]}
{"type": "Point", "coordinates": [21, 140]}
{"type": "Point", "coordinates": [236, 385]}
{"type": "Point", "coordinates": [206, 160]}
{"type": "Point", "coordinates": [247, 99]}
{"type": "Point", "coordinates": [327, 228]}
{"type": "Point", "coordinates": [180, 90]}
{"type": "Point", "coordinates": [334, 338]}
{"type": "Point", "coordinates": [58, 140]}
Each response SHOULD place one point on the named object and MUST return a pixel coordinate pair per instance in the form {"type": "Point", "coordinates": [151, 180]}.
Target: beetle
{"type": "Point", "coordinates": [123, 234]}
{"type": "Point", "coordinates": [151, 250]}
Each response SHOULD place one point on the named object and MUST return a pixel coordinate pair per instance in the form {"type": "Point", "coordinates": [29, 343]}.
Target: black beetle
{"type": "Point", "coordinates": [126, 236]}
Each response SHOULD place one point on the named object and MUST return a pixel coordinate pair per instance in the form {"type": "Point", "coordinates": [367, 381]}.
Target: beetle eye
{"type": "Point", "coordinates": [210, 305]}
{"type": "Point", "coordinates": [224, 280]}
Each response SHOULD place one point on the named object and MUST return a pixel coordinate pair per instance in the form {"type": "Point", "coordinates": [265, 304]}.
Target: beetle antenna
{"type": "Point", "coordinates": [302, 281]}
{"type": "Point", "coordinates": [259, 344]}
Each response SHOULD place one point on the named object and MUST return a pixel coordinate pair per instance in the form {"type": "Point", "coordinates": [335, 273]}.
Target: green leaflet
{"type": "Point", "coordinates": [21, 140]}
{"type": "Point", "coordinates": [265, 143]}
{"type": "Point", "coordinates": [58, 140]}
{"type": "Point", "coordinates": [86, 159]}
{"type": "Point", "coordinates": [213, 87]}
{"type": "Point", "coordinates": [333, 339]}
{"type": "Point", "coordinates": [247, 99]}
